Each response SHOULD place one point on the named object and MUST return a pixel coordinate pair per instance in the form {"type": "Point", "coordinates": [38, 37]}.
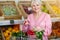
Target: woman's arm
{"type": "Point", "coordinates": [26, 24]}
{"type": "Point", "coordinates": [48, 25]}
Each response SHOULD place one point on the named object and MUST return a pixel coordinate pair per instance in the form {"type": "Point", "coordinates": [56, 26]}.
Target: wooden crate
{"type": "Point", "coordinates": [51, 11]}
{"type": "Point", "coordinates": [25, 3]}
{"type": "Point", "coordinates": [58, 3]}
{"type": "Point", "coordinates": [7, 31]}
{"type": "Point", "coordinates": [10, 3]}
{"type": "Point", "coordinates": [1, 15]}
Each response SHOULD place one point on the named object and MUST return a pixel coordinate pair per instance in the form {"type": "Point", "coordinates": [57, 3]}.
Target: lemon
{"type": "Point", "coordinates": [10, 29]}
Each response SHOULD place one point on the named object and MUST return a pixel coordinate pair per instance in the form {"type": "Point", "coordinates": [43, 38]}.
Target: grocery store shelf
{"type": "Point", "coordinates": [7, 22]}
{"type": "Point", "coordinates": [55, 19]}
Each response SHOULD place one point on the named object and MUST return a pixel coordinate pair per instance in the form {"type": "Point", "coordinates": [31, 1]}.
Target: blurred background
{"type": "Point", "coordinates": [14, 12]}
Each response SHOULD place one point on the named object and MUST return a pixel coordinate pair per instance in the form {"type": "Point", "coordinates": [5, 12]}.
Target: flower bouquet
{"type": "Point", "coordinates": [38, 34]}
{"type": "Point", "coordinates": [37, 31]}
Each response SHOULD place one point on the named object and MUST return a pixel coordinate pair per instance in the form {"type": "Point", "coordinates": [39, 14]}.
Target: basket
{"type": "Point", "coordinates": [9, 15]}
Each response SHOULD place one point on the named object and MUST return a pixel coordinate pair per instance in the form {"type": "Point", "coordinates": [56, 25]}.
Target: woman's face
{"type": "Point", "coordinates": [36, 7]}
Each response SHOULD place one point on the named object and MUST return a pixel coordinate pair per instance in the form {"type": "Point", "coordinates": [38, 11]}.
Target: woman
{"type": "Point", "coordinates": [38, 20]}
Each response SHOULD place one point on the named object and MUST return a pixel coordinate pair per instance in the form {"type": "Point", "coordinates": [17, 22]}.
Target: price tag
{"type": "Point", "coordinates": [11, 21]}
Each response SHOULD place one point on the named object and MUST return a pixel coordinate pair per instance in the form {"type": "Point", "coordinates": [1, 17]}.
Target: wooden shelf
{"type": "Point", "coordinates": [7, 22]}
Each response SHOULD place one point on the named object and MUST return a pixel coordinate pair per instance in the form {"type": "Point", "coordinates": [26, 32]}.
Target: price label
{"type": "Point", "coordinates": [11, 21]}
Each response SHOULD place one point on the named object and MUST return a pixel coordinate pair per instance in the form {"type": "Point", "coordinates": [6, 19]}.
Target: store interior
{"type": "Point", "coordinates": [14, 12]}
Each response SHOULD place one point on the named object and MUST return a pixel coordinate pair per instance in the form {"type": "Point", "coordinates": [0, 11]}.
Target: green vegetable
{"type": "Point", "coordinates": [44, 9]}
{"type": "Point", "coordinates": [9, 10]}
{"type": "Point", "coordinates": [39, 34]}
{"type": "Point", "coordinates": [19, 34]}
{"type": "Point", "coordinates": [14, 34]}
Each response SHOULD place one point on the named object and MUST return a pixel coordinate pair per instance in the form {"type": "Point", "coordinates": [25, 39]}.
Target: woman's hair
{"type": "Point", "coordinates": [36, 1]}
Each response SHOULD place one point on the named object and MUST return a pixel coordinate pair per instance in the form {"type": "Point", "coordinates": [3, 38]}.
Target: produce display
{"type": "Point", "coordinates": [56, 9]}
{"type": "Point", "coordinates": [7, 31]}
{"type": "Point", "coordinates": [56, 29]}
{"type": "Point", "coordinates": [44, 9]}
{"type": "Point", "coordinates": [9, 10]}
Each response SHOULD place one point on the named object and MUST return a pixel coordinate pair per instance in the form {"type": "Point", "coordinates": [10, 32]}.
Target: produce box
{"type": "Point", "coordinates": [53, 8]}
{"type": "Point", "coordinates": [55, 30]}
{"type": "Point", "coordinates": [9, 10]}
{"type": "Point", "coordinates": [23, 6]}
{"type": "Point", "coordinates": [8, 30]}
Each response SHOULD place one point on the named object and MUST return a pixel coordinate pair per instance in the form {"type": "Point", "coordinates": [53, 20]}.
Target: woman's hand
{"type": "Point", "coordinates": [26, 22]}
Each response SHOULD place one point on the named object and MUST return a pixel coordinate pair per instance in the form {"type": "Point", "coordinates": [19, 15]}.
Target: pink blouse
{"type": "Point", "coordinates": [43, 21]}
